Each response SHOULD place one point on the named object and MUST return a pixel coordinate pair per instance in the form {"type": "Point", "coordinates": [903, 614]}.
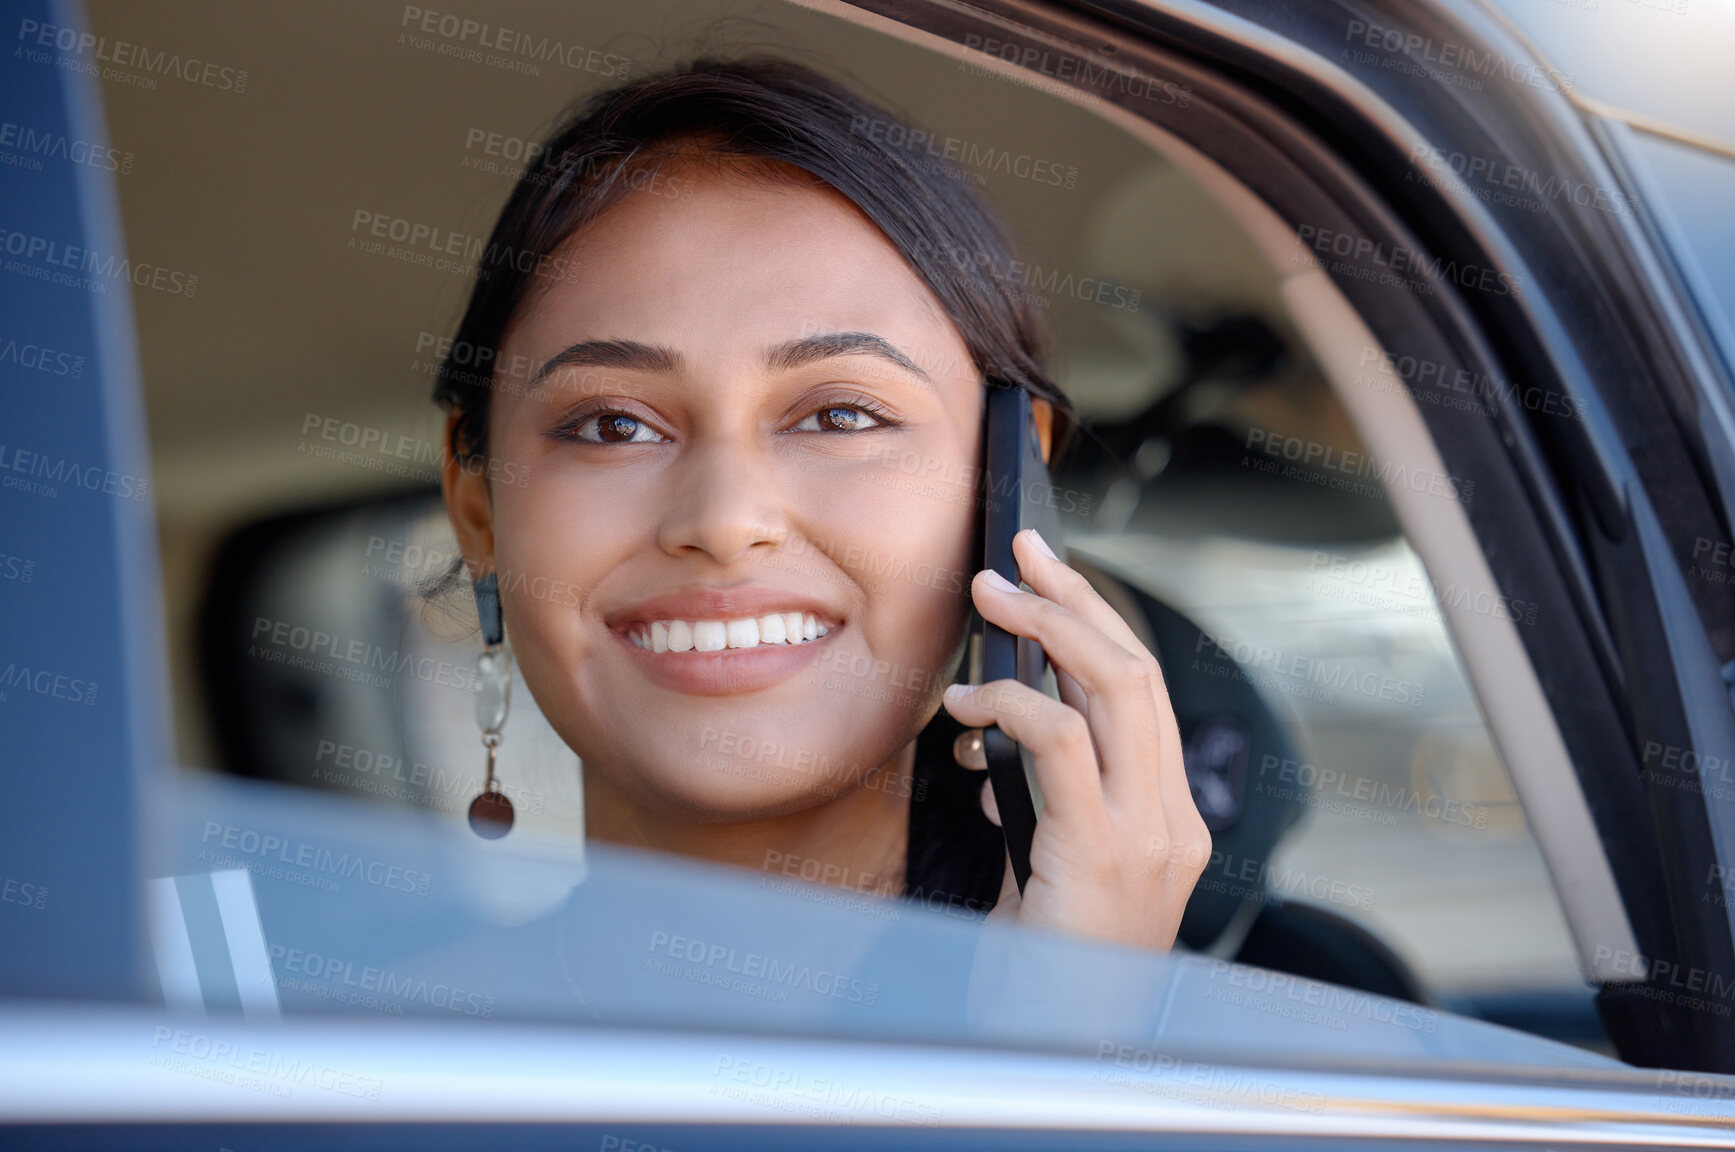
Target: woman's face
{"type": "Point", "coordinates": [745, 406]}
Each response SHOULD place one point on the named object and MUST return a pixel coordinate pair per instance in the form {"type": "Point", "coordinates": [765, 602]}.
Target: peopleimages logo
{"type": "Point", "coordinates": [473, 40]}
{"type": "Point", "coordinates": [396, 453]}
{"type": "Point", "coordinates": [38, 39]}
{"type": "Point", "coordinates": [24, 893]}
{"type": "Point", "coordinates": [343, 976]}
{"type": "Point", "coordinates": [36, 144]}
{"type": "Point", "coordinates": [1316, 459]}
{"type": "Point", "coordinates": [1407, 590]}
{"type": "Point", "coordinates": [951, 149]}
{"type": "Point", "coordinates": [1346, 1002]}
{"type": "Point", "coordinates": [1378, 793]}
{"type": "Point", "coordinates": [86, 267]}
{"type": "Point", "coordinates": [1398, 262]}
{"type": "Point", "coordinates": [1034, 283]}
{"type": "Point", "coordinates": [1432, 55]}
{"type": "Point", "coordinates": [299, 854]}
{"type": "Point", "coordinates": [1157, 1071]}
{"type": "Point", "coordinates": [1098, 76]}
{"type": "Point", "coordinates": [822, 1098]}
{"type": "Point", "coordinates": [16, 568]}
{"type": "Point", "coordinates": [49, 472]}
{"type": "Point", "coordinates": [1485, 175]}
{"type": "Point", "coordinates": [1301, 668]}
{"type": "Point", "coordinates": [1668, 982]}
{"type": "Point", "coordinates": [45, 682]}
{"type": "Point", "coordinates": [227, 1062]}
{"type": "Point", "coordinates": [753, 966]}
{"type": "Point", "coordinates": [274, 640]}
{"type": "Point", "coordinates": [38, 358]}
{"type": "Point", "coordinates": [1422, 378]}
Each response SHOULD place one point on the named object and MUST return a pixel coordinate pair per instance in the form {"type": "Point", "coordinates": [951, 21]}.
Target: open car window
{"type": "Point", "coordinates": [1378, 894]}
{"type": "Point", "coordinates": [1366, 833]}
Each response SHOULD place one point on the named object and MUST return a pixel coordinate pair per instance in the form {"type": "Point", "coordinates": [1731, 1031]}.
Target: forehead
{"type": "Point", "coordinates": [698, 258]}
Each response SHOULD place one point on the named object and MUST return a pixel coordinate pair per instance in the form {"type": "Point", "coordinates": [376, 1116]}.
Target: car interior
{"type": "Point", "coordinates": [1366, 828]}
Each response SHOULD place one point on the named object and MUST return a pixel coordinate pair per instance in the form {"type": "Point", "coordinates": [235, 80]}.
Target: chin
{"type": "Point", "coordinates": [727, 791]}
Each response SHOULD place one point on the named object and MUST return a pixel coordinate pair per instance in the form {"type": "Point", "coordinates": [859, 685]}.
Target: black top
{"type": "Point", "coordinates": [956, 855]}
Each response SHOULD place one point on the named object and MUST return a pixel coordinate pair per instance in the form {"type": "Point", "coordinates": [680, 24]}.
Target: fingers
{"type": "Point", "coordinates": [1125, 698]}
{"type": "Point", "coordinates": [1126, 708]}
{"type": "Point", "coordinates": [1180, 844]}
{"type": "Point", "coordinates": [1085, 652]}
{"type": "Point", "coordinates": [969, 753]}
{"type": "Point", "coordinates": [1056, 580]}
{"type": "Point", "coordinates": [1059, 739]}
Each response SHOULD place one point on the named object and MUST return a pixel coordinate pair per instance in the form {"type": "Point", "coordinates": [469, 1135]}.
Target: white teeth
{"type": "Point", "coordinates": [716, 635]}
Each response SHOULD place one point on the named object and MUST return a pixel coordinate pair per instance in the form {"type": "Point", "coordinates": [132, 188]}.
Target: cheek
{"type": "Point", "coordinates": [554, 542]}
{"type": "Point", "coordinates": [909, 545]}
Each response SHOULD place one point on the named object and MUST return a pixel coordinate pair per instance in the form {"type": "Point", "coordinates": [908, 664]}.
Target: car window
{"type": "Point", "coordinates": [1661, 59]}
{"type": "Point", "coordinates": [295, 904]}
{"type": "Point", "coordinates": [316, 265]}
{"type": "Point", "coordinates": [1693, 182]}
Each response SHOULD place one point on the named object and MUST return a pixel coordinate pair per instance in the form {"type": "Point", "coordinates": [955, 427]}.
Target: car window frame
{"type": "Point", "coordinates": [1595, 534]}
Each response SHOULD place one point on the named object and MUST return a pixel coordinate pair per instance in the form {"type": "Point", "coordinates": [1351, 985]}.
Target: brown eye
{"type": "Point", "coordinates": [839, 418]}
{"type": "Point", "coordinates": [614, 428]}
{"type": "Point", "coordinates": [609, 426]}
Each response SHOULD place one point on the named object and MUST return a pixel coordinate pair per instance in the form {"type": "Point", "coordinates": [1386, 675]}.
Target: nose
{"type": "Point", "coordinates": [726, 499]}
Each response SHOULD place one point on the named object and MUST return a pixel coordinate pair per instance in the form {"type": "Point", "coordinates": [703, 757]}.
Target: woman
{"type": "Point", "coordinates": [727, 321]}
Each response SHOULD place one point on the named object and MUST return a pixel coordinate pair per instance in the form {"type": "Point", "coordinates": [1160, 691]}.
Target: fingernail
{"type": "Point", "coordinates": [1043, 544]}
{"type": "Point", "coordinates": [995, 580]}
{"type": "Point", "coordinates": [959, 691]}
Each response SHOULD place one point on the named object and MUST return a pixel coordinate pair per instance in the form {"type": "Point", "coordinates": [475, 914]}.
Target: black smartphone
{"type": "Point", "coordinates": [1017, 494]}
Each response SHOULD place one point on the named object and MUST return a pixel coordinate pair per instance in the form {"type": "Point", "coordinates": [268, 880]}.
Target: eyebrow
{"type": "Point", "coordinates": [629, 354]}
{"type": "Point", "coordinates": [791, 354]}
{"type": "Point", "coordinates": [809, 349]}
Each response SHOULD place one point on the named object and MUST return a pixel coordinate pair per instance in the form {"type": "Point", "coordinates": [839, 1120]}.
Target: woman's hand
{"type": "Point", "coordinates": [1120, 842]}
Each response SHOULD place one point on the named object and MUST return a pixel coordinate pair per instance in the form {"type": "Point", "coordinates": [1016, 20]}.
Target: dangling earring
{"type": "Point", "coordinates": [491, 812]}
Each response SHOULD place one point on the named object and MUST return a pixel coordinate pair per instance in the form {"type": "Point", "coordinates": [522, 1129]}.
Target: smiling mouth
{"type": "Point", "coordinates": [776, 629]}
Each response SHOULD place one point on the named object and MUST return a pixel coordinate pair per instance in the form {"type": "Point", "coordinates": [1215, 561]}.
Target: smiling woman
{"type": "Point", "coordinates": [739, 316]}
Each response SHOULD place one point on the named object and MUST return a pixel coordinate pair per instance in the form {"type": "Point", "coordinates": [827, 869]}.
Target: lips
{"type": "Point", "coordinates": [719, 641]}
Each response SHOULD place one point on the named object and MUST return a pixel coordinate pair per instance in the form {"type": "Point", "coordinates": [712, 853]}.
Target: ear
{"type": "Point", "coordinates": [1042, 411]}
{"type": "Point", "coordinates": [468, 506]}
